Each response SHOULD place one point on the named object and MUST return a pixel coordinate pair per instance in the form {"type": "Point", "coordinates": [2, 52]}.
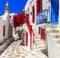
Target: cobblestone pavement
{"type": "Point", "coordinates": [15, 50]}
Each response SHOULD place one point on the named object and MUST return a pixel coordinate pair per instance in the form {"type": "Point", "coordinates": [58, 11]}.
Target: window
{"type": "Point", "coordinates": [10, 16]}
{"type": "Point", "coordinates": [4, 30]}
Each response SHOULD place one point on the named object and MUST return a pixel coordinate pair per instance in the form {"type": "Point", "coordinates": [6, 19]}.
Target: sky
{"type": "Point", "coordinates": [15, 6]}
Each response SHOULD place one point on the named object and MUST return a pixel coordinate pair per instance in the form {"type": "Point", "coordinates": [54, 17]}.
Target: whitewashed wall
{"type": "Point", "coordinates": [32, 3]}
{"type": "Point", "coordinates": [29, 6]}
{"type": "Point", "coordinates": [1, 29]}
{"type": "Point", "coordinates": [53, 50]}
{"type": "Point", "coordinates": [45, 4]}
{"type": "Point", "coordinates": [4, 21]}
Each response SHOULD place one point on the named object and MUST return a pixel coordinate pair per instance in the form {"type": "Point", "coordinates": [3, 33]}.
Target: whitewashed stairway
{"type": "Point", "coordinates": [38, 45]}
{"type": "Point", "coordinates": [53, 42]}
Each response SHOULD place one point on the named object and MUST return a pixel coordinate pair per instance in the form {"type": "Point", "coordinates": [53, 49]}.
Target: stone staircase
{"type": "Point", "coordinates": [39, 44]}
{"type": "Point", "coordinates": [53, 42]}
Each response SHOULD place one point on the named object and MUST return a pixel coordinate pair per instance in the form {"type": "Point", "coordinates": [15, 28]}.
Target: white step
{"type": "Point", "coordinates": [55, 31]}
{"type": "Point", "coordinates": [54, 35]}
{"type": "Point", "coordinates": [37, 41]}
{"type": "Point", "coordinates": [57, 39]}
{"type": "Point", "coordinates": [34, 26]}
{"type": "Point", "coordinates": [35, 30]}
{"type": "Point", "coordinates": [37, 34]}
{"type": "Point", "coordinates": [58, 42]}
{"type": "Point", "coordinates": [36, 37]}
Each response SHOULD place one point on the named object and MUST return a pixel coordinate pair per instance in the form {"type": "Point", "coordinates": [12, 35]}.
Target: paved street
{"type": "Point", "coordinates": [15, 50]}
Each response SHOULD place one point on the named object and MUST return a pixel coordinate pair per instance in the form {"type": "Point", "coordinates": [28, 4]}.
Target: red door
{"type": "Point", "coordinates": [33, 14]}
{"type": "Point", "coordinates": [43, 35]}
{"type": "Point", "coordinates": [38, 6]}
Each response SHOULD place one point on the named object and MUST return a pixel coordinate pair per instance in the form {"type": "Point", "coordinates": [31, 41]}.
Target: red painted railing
{"type": "Point", "coordinates": [42, 34]}
{"type": "Point", "coordinates": [30, 31]}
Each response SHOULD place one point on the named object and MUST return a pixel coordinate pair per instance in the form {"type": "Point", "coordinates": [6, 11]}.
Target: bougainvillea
{"type": "Point", "coordinates": [18, 20]}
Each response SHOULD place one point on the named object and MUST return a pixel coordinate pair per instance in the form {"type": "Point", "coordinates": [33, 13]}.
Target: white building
{"type": "Point", "coordinates": [4, 28]}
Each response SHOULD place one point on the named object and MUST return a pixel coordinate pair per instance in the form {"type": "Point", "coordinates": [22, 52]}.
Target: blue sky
{"type": "Point", "coordinates": [15, 6]}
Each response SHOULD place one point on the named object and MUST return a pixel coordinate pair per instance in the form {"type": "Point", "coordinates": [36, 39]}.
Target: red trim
{"type": "Point", "coordinates": [31, 42]}
{"type": "Point", "coordinates": [26, 38]}
{"type": "Point", "coordinates": [30, 31]}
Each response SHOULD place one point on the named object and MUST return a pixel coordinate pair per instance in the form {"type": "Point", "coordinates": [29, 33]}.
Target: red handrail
{"type": "Point", "coordinates": [30, 31]}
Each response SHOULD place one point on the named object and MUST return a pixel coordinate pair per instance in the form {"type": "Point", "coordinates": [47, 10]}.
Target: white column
{"type": "Point", "coordinates": [13, 31]}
